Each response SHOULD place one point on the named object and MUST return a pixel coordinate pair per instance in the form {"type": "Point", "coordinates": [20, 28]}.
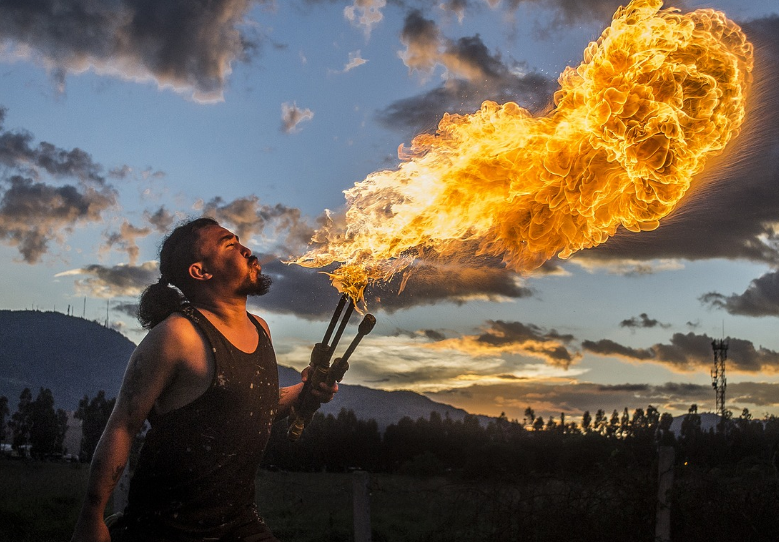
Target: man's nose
{"type": "Point", "coordinates": [245, 252]}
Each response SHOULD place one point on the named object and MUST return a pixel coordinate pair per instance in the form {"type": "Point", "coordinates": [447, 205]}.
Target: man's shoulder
{"type": "Point", "coordinates": [176, 333]}
{"type": "Point", "coordinates": [262, 322]}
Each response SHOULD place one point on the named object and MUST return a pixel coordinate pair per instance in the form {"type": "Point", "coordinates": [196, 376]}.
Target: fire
{"type": "Point", "coordinates": [656, 95]}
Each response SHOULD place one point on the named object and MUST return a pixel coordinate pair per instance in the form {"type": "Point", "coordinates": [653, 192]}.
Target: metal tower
{"type": "Point", "coordinates": [718, 380]}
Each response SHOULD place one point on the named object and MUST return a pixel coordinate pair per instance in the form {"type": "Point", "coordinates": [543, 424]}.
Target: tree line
{"type": "Point", "coordinates": [437, 444]}
{"type": "Point", "coordinates": [37, 430]}
{"type": "Point", "coordinates": [504, 447]}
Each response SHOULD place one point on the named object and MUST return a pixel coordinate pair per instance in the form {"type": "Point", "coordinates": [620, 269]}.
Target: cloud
{"type": "Point", "coordinates": [308, 293]}
{"type": "Point", "coordinates": [115, 281]}
{"type": "Point", "coordinates": [247, 217]}
{"type": "Point", "coordinates": [761, 298]}
{"type": "Point", "coordinates": [34, 214]}
{"type": "Point", "coordinates": [642, 321]}
{"type": "Point", "coordinates": [187, 46]}
{"type": "Point", "coordinates": [472, 75]}
{"type": "Point", "coordinates": [690, 352]}
{"type": "Point", "coordinates": [457, 7]}
{"type": "Point", "coordinates": [292, 115]}
{"type": "Point", "coordinates": [18, 151]}
{"type": "Point", "coordinates": [129, 309]}
{"type": "Point", "coordinates": [626, 267]}
{"type": "Point", "coordinates": [553, 396]}
{"type": "Point", "coordinates": [365, 14]}
{"type": "Point", "coordinates": [125, 240]}
{"type": "Point", "coordinates": [516, 338]}
{"type": "Point", "coordinates": [161, 219]}
{"type": "Point", "coordinates": [428, 283]}
{"type": "Point", "coordinates": [355, 60]}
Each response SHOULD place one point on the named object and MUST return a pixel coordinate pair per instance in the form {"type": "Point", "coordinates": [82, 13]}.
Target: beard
{"type": "Point", "coordinates": [256, 285]}
{"type": "Point", "coordinates": [259, 285]}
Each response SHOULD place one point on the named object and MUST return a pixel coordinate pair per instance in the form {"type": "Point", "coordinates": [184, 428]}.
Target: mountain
{"type": "Point", "coordinates": [386, 407]}
{"type": "Point", "coordinates": [71, 356]}
{"type": "Point", "coordinates": [74, 357]}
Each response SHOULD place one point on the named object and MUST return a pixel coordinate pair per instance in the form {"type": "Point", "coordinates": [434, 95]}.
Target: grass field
{"type": "Point", "coordinates": [39, 502]}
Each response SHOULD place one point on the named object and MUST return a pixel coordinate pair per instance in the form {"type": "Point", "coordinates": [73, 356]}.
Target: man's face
{"type": "Point", "coordinates": [229, 261]}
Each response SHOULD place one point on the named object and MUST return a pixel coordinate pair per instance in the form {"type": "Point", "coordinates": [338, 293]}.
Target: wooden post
{"type": "Point", "coordinates": [362, 506]}
{"type": "Point", "coordinates": [665, 480]}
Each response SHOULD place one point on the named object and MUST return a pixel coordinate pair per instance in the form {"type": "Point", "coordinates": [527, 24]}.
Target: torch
{"type": "Point", "coordinates": [320, 369]}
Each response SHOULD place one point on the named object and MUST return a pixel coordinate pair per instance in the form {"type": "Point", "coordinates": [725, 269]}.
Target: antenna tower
{"type": "Point", "coordinates": [718, 380]}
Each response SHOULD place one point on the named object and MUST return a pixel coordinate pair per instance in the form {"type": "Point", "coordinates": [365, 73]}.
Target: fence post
{"type": "Point", "coordinates": [665, 480]}
{"type": "Point", "coordinates": [362, 506]}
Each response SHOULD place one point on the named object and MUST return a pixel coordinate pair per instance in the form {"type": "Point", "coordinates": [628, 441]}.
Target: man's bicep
{"type": "Point", "coordinates": [148, 373]}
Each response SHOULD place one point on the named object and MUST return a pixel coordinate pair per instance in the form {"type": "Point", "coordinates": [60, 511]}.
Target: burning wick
{"type": "Point", "coordinates": [656, 95]}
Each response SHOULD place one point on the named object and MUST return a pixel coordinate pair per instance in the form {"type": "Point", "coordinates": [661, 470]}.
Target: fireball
{"type": "Point", "coordinates": [654, 97]}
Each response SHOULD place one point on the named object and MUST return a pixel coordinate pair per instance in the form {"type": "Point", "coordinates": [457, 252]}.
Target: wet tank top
{"type": "Point", "coordinates": [196, 469]}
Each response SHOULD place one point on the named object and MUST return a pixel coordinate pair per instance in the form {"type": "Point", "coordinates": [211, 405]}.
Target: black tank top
{"type": "Point", "coordinates": [196, 470]}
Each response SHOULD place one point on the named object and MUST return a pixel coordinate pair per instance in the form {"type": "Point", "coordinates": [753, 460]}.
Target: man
{"type": "Point", "coordinates": [205, 377]}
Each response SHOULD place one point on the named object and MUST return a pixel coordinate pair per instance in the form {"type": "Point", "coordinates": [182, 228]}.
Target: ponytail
{"type": "Point", "coordinates": [158, 301]}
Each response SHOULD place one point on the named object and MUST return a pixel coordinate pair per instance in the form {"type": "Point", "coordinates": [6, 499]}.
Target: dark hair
{"type": "Point", "coordinates": [179, 250]}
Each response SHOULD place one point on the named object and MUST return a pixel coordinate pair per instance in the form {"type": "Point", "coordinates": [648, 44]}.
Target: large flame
{"type": "Point", "coordinates": [655, 96]}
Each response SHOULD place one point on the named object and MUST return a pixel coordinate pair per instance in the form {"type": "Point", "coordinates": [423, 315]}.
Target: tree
{"type": "Point", "coordinates": [538, 423]}
{"type": "Point", "coordinates": [94, 415]}
{"type": "Point", "coordinates": [46, 431]}
{"type": "Point", "coordinates": [4, 412]}
{"type": "Point", "coordinates": [20, 422]}
{"type": "Point", "coordinates": [530, 416]}
{"type": "Point", "coordinates": [586, 421]}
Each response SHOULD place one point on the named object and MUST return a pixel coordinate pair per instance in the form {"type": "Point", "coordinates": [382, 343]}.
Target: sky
{"type": "Point", "coordinates": [120, 119]}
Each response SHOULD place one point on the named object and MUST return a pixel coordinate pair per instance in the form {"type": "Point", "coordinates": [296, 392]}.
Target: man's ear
{"type": "Point", "coordinates": [198, 271]}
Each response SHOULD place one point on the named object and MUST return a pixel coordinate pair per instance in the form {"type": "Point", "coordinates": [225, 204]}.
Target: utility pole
{"type": "Point", "coordinates": [718, 380]}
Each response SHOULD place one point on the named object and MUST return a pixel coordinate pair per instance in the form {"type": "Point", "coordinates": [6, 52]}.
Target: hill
{"type": "Point", "coordinates": [74, 357]}
{"type": "Point", "coordinates": [71, 356]}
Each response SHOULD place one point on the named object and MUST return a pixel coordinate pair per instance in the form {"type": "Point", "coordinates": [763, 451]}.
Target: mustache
{"type": "Point", "coordinates": [253, 259]}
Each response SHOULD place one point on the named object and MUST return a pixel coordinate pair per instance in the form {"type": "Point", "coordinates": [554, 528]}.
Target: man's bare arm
{"type": "Point", "coordinates": [150, 370]}
{"type": "Point", "coordinates": [290, 395]}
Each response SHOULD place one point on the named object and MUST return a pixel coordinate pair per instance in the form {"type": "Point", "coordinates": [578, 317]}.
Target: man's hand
{"type": "Point", "coordinates": [324, 393]}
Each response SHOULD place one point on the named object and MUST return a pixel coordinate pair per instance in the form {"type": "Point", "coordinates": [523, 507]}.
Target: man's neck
{"type": "Point", "coordinates": [231, 311]}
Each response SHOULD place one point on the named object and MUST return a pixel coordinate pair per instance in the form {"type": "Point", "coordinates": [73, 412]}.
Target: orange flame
{"type": "Point", "coordinates": [657, 94]}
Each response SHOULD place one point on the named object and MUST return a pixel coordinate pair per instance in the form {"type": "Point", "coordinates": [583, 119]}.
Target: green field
{"type": "Point", "coordinates": [39, 502]}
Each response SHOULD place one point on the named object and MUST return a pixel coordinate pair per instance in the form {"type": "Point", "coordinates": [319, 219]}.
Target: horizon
{"type": "Point", "coordinates": [267, 113]}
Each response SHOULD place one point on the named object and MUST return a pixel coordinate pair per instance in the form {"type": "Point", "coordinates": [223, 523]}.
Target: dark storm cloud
{"type": "Point", "coordinates": [689, 351]}
{"type": "Point", "coordinates": [186, 44]}
{"type": "Point", "coordinates": [642, 321]}
{"type": "Point", "coordinates": [761, 298]}
{"type": "Point", "coordinates": [427, 283]}
{"type": "Point", "coordinates": [304, 292]}
{"type": "Point", "coordinates": [18, 151]}
{"type": "Point", "coordinates": [33, 214]}
{"type": "Point", "coordinates": [474, 75]}
{"type": "Point", "coordinates": [114, 281]}
{"type": "Point", "coordinates": [733, 205]}
{"type": "Point", "coordinates": [308, 293]}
